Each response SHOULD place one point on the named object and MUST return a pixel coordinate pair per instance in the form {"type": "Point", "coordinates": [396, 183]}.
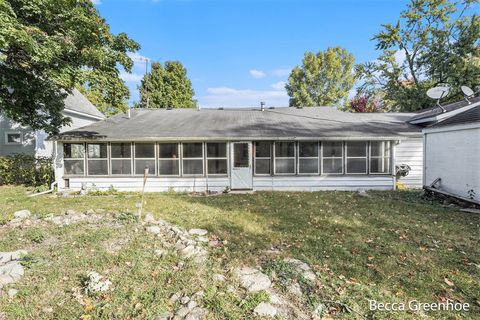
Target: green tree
{"type": "Point", "coordinates": [433, 42]}
{"type": "Point", "coordinates": [167, 87]}
{"type": "Point", "coordinates": [323, 79]}
{"type": "Point", "coordinates": [47, 48]}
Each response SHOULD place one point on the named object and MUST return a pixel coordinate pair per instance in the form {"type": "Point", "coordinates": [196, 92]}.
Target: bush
{"type": "Point", "coordinates": [27, 170]}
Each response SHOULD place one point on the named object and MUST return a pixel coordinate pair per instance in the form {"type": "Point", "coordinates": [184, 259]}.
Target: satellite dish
{"type": "Point", "coordinates": [467, 91]}
{"type": "Point", "coordinates": [438, 93]}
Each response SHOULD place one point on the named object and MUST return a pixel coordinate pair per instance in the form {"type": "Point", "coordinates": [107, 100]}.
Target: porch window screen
{"type": "Point", "coordinates": [97, 159]}
{"type": "Point", "coordinates": [263, 156]}
{"type": "Point", "coordinates": [192, 158]}
{"type": "Point", "coordinates": [168, 159]}
{"type": "Point", "coordinates": [308, 158]}
{"type": "Point", "coordinates": [144, 158]}
{"type": "Point", "coordinates": [332, 157]}
{"type": "Point", "coordinates": [356, 157]}
{"type": "Point", "coordinates": [121, 158]}
{"type": "Point", "coordinates": [74, 158]}
{"type": "Point", "coordinates": [285, 157]}
{"type": "Point", "coordinates": [380, 157]}
{"type": "Point", "coordinates": [217, 158]}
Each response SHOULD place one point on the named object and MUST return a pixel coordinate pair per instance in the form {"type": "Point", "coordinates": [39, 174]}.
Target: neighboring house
{"type": "Point", "coordinates": [452, 148]}
{"type": "Point", "coordinates": [15, 138]}
{"type": "Point", "coordinates": [304, 149]}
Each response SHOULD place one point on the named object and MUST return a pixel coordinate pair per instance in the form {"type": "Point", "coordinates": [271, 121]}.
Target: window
{"type": "Point", "coordinates": [74, 158]}
{"type": "Point", "coordinates": [97, 163]}
{"type": "Point", "coordinates": [168, 159]}
{"type": "Point", "coordinates": [380, 157]}
{"type": "Point", "coordinates": [308, 158]}
{"type": "Point", "coordinates": [263, 155]}
{"type": "Point", "coordinates": [13, 138]}
{"type": "Point", "coordinates": [241, 155]}
{"type": "Point", "coordinates": [217, 158]}
{"type": "Point", "coordinates": [356, 157]}
{"type": "Point", "coordinates": [192, 158]}
{"type": "Point", "coordinates": [284, 157]}
{"type": "Point", "coordinates": [144, 158]}
{"type": "Point", "coordinates": [332, 157]}
{"type": "Point", "coordinates": [121, 158]}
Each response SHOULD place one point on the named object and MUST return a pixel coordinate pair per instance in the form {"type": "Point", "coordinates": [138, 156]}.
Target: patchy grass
{"type": "Point", "coordinates": [391, 247]}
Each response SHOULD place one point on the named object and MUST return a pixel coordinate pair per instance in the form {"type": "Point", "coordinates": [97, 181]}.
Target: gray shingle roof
{"type": "Point", "coordinates": [435, 111]}
{"type": "Point", "coordinates": [229, 124]}
{"type": "Point", "coordinates": [469, 116]}
{"type": "Point", "coordinates": [79, 103]}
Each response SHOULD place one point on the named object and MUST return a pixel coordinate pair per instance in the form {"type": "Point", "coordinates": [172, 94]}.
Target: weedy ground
{"type": "Point", "coordinates": [389, 246]}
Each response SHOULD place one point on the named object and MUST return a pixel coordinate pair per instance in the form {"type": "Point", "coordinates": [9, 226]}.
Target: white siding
{"type": "Point", "coordinates": [285, 183]}
{"type": "Point", "coordinates": [454, 156]}
{"type": "Point", "coordinates": [154, 184]}
{"type": "Point", "coordinates": [410, 152]}
{"type": "Point", "coordinates": [323, 183]}
{"type": "Point", "coordinates": [44, 148]}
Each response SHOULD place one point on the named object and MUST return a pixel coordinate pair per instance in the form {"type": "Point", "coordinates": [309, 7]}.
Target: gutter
{"type": "Point", "coordinates": [156, 139]}
{"type": "Point", "coordinates": [83, 114]}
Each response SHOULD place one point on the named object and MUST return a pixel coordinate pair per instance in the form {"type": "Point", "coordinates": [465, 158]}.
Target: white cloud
{"type": "Point", "coordinates": [281, 72]}
{"type": "Point", "coordinates": [138, 58]}
{"type": "Point", "coordinates": [96, 2]}
{"type": "Point", "coordinates": [400, 57]}
{"type": "Point", "coordinates": [131, 77]}
{"type": "Point", "coordinates": [230, 98]}
{"type": "Point", "coordinates": [280, 85]}
{"type": "Point", "coordinates": [257, 74]}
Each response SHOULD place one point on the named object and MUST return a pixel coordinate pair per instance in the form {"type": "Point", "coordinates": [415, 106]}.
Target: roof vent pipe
{"type": "Point", "coordinates": [262, 106]}
{"type": "Point", "coordinates": [128, 113]}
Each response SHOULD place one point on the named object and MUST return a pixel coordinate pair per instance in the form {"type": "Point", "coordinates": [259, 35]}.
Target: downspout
{"type": "Point", "coordinates": [52, 188]}
{"type": "Point", "coordinates": [53, 184]}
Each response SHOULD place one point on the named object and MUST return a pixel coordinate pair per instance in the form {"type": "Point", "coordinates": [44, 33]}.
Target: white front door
{"type": "Point", "coordinates": [242, 174]}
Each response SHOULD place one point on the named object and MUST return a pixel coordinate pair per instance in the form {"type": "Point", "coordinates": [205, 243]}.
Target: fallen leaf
{"type": "Point", "coordinates": [448, 282]}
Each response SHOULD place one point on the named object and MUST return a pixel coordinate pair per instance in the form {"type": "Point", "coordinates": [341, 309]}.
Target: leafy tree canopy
{"type": "Point", "coordinates": [433, 42]}
{"type": "Point", "coordinates": [167, 87]}
{"type": "Point", "coordinates": [49, 47]}
{"type": "Point", "coordinates": [323, 79]}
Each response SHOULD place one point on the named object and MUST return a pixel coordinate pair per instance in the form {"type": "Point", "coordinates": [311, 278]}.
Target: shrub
{"type": "Point", "coordinates": [27, 170]}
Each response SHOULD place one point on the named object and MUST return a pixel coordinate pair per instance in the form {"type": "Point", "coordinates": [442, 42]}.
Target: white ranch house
{"type": "Point", "coordinates": [295, 149]}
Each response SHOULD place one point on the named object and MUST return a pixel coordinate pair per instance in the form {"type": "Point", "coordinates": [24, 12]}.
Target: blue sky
{"type": "Point", "coordinates": [239, 52]}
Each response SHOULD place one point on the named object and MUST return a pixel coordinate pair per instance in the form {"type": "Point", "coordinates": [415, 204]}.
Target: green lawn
{"type": "Point", "coordinates": [391, 247]}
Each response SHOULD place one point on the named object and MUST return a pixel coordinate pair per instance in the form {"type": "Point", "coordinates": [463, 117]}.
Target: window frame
{"type": "Point", "coordinates": [7, 133]}
{"type": "Point", "coordinates": [205, 144]}
{"type": "Point", "coordinates": [110, 159]}
{"type": "Point", "coordinates": [179, 159]}
{"type": "Point", "coordinates": [318, 157]}
{"type": "Point", "coordinates": [87, 173]}
{"type": "Point", "coordinates": [389, 157]}
{"type": "Point", "coordinates": [84, 159]}
{"type": "Point", "coordinates": [285, 158]}
{"type": "Point", "coordinates": [342, 157]}
{"type": "Point", "coordinates": [183, 174]}
{"type": "Point", "coordinates": [155, 157]}
{"type": "Point", "coordinates": [270, 159]}
{"type": "Point", "coordinates": [356, 157]}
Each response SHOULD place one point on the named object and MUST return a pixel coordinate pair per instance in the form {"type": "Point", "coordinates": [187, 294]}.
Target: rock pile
{"type": "Point", "coordinates": [11, 270]}
{"type": "Point", "coordinates": [189, 310]}
{"type": "Point", "coordinates": [172, 236]}
{"type": "Point", "coordinates": [72, 217]}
